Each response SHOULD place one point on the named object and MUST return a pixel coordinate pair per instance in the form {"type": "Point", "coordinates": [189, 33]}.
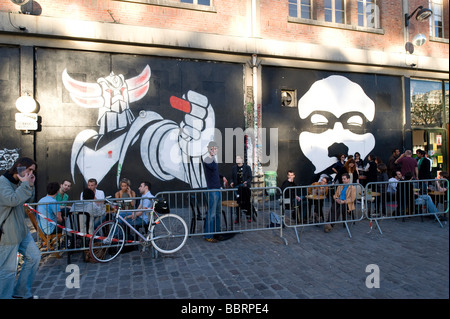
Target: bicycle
{"type": "Point", "coordinates": [167, 233]}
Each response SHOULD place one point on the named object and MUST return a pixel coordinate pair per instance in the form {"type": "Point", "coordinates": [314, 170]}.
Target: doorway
{"type": "Point", "coordinates": [434, 142]}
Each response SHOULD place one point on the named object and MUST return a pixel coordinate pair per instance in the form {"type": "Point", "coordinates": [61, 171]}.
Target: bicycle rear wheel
{"type": "Point", "coordinates": [107, 241]}
{"type": "Point", "coordinates": [169, 233]}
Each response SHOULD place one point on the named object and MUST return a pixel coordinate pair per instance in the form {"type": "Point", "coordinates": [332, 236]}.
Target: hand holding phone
{"type": "Point", "coordinates": [25, 176]}
{"type": "Point", "coordinates": [21, 170]}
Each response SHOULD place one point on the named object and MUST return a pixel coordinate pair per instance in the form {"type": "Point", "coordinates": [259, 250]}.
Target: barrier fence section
{"type": "Point", "coordinates": [316, 205]}
{"type": "Point", "coordinates": [248, 209]}
{"type": "Point", "coordinates": [63, 226]}
{"type": "Point", "coordinates": [241, 209]}
{"type": "Point", "coordinates": [403, 199]}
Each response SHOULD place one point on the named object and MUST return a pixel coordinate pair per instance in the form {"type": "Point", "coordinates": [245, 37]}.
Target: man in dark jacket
{"type": "Point", "coordinates": [212, 221]}
{"type": "Point", "coordinates": [424, 165]}
{"type": "Point", "coordinates": [241, 178]}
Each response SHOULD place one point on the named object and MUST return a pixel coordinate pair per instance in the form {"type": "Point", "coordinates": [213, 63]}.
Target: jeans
{"type": "Point", "coordinates": [212, 221]}
{"type": "Point", "coordinates": [8, 266]}
{"type": "Point", "coordinates": [426, 200]}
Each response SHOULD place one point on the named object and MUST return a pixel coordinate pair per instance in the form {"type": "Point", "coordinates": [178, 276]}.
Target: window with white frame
{"type": "Point", "coordinates": [368, 14]}
{"type": "Point", "coordinates": [436, 26]}
{"type": "Point", "coordinates": [300, 9]}
{"type": "Point", "coordinates": [335, 11]}
{"type": "Point", "coordinates": [201, 2]}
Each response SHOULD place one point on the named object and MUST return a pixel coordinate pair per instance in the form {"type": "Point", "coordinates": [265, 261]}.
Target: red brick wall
{"type": "Point", "coordinates": [233, 19]}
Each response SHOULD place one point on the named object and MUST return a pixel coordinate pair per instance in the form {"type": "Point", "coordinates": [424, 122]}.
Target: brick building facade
{"type": "Point", "coordinates": [241, 59]}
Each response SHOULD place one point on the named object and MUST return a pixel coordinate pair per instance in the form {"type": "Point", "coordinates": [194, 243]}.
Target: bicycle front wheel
{"type": "Point", "coordinates": [107, 241]}
{"type": "Point", "coordinates": [169, 233]}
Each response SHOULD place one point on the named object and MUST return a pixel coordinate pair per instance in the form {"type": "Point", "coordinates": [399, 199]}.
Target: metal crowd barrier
{"type": "Point", "coordinates": [242, 210]}
{"type": "Point", "coordinates": [74, 232]}
{"type": "Point", "coordinates": [315, 205]}
{"type": "Point", "coordinates": [403, 199]}
{"type": "Point", "coordinates": [237, 215]}
{"type": "Point", "coordinates": [264, 208]}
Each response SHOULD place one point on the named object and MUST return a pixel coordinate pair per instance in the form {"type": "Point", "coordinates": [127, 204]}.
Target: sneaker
{"type": "Point", "coordinates": [327, 228]}
{"type": "Point", "coordinates": [211, 240]}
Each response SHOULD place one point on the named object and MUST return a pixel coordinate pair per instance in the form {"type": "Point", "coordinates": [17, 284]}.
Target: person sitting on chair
{"type": "Point", "coordinates": [51, 210]}
{"type": "Point", "coordinates": [344, 202]}
{"type": "Point", "coordinates": [126, 191]}
{"type": "Point", "coordinates": [140, 218]}
{"type": "Point", "coordinates": [241, 178]}
{"type": "Point", "coordinates": [293, 200]}
{"type": "Point", "coordinates": [94, 211]}
{"type": "Point", "coordinates": [317, 196]}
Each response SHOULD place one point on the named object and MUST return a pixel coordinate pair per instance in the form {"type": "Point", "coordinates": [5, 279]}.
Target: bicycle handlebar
{"type": "Point", "coordinates": [115, 204]}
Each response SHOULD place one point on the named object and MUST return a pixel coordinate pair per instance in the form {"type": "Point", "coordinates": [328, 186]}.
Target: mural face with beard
{"type": "Point", "coordinates": [338, 110]}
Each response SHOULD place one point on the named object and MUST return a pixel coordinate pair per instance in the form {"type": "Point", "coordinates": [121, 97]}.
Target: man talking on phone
{"type": "Point", "coordinates": [17, 188]}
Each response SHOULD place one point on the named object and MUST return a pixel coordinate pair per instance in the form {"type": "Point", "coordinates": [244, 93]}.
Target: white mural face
{"type": "Point", "coordinates": [168, 150]}
{"type": "Point", "coordinates": [336, 107]}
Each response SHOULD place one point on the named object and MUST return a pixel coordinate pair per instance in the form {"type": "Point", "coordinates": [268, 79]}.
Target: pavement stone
{"type": "Point", "coordinates": [412, 256]}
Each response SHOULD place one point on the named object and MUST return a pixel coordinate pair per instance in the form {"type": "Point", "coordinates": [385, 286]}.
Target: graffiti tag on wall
{"type": "Point", "coordinates": [7, 158]}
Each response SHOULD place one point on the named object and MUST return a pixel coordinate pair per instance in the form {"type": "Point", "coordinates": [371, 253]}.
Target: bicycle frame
{"type": "Point", "coordinates": [118, 217]}
{"type": "Point", "coordinates": [106, 234]}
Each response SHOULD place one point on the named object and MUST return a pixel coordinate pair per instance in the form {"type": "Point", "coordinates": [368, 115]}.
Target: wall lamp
{"type": "Point", "coordinates": [422, 15]}
{"type": "Point", "coordinates": [27, 119]}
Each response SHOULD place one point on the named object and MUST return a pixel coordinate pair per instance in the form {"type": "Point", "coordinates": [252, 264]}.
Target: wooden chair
{"type": "Point", "coordinates": [48, 241]}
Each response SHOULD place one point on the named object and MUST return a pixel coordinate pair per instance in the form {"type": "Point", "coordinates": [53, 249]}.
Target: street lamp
{"type": "Point", "coordinates": [422, 15]}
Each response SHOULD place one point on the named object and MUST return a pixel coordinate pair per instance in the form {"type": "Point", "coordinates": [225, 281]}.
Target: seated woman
{"type": "Point", "coordinates": [317, 196]}
{"type": "Point", "coordinates": [124, 192]}
{"type": "Point", "coordinates": [349, 168]}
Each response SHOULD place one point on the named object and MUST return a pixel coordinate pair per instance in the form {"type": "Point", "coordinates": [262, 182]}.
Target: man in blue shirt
{"type": "Point", "coordinates": [212, 222]}
{"type": "Point", "coordinates": [141, 218]}
{"type": "Point", "coordinates": [51, 210]}
{"type": "Point", "coordinates": [344, 201]}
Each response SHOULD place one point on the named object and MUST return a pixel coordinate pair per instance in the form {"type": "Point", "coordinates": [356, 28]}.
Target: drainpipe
{"type": "Point", "coordinates": [253, 31]}
{"type": "Point", "coordinates": [254, 65]}
{"type": "Point", "coordinates": [256, 158]}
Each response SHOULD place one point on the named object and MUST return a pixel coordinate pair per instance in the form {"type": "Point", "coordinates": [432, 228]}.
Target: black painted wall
{"type": "Point", "coordinates": [13, 143]}
{"type": "Point", "coordinates": [62, 119]}
{"type": "Point", "coordinates": [221, 83]}
{"type": "Point", "coordinates": [385, 91]}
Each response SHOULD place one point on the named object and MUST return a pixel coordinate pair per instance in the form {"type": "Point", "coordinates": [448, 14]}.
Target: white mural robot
{"type": "Point", "coordinates": [168, 150]}
{"type": "Point", "coordinates": [335, 106]}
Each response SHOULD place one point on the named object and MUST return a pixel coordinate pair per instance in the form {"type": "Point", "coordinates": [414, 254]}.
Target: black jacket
{"type": "Point", "coordinates": [424, 169]}
{"type": "Point", "coordinates": [246, 175]}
